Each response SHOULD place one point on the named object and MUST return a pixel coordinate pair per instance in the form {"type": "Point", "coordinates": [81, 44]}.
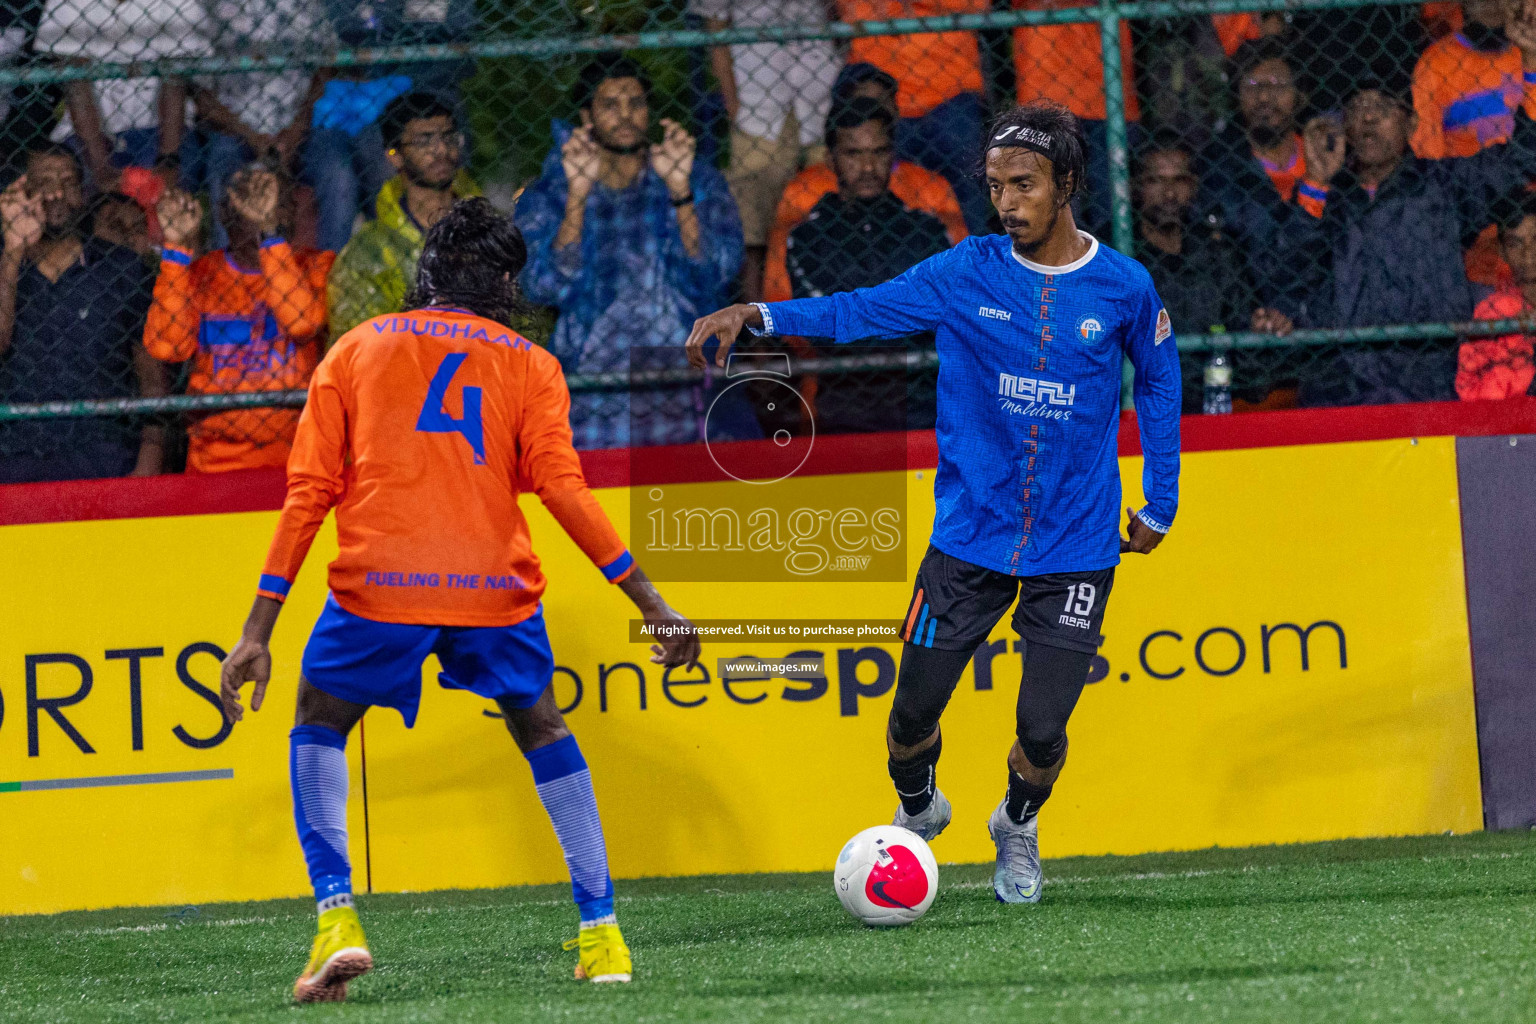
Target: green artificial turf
{"type": "Point", "coordinates": [1432, 929]}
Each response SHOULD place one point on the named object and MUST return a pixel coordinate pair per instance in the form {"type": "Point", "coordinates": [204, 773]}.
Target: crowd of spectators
{"type": "Point", "coordinates": [212, 234]}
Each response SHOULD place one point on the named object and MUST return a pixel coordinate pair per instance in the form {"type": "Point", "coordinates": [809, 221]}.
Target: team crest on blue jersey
{"type": "Point", "coordinates": [1089, 329]}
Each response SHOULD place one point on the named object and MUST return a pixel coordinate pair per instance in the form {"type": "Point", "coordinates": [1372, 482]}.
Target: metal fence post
{"type": "Point", "coordinates": [1119, 155]}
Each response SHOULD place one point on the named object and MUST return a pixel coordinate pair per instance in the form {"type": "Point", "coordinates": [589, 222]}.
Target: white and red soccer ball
{"type": "Point", "coordinates": [886, 876]}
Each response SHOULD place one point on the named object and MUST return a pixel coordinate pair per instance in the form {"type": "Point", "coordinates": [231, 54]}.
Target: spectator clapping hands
{"type": "Point", "coordinates": [672, 158]}
{"type": "Point", "coordinates": [255, 196]}
{"type": "Point", "coordinates": [581, 160]}
{"type": "Point", "coordinates": [181, 218]}
{"type": "Point", "coordinates": [22, 215]}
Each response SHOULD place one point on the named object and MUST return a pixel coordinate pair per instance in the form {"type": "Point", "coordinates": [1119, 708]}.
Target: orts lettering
{"type": "Point", "coordinates": [59, 681]}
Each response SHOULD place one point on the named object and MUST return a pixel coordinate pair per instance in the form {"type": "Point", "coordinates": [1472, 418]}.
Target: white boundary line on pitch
{"type": "Point", "coordinates": [1142, 876]}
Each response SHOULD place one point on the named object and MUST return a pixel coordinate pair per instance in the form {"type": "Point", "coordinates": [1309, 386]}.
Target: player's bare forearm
{"type": "Point", "coordinates": [724, 324]}
{"type": "Point", "coordinates": [677, 643]}
{"type": "Point", "coordinates": [250, 661]}
{"type": "Point", "coordinates": [637, 586]}
{"type": "Point", "coordinates": [262, 620]}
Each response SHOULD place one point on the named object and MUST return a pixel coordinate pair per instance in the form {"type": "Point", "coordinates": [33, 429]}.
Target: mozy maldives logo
{"type": "Point", "coordinates": [1030, 396]}
{"type": "Point", "coordinates": [1089, 329]}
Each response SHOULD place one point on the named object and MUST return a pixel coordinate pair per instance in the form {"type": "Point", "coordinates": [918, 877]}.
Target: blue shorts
{"type": "Point", "coordinates": [379, 663]}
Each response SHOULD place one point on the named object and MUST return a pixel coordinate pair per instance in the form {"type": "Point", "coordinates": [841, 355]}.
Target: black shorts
{"type": "Point", "coordinates": [955, 605]}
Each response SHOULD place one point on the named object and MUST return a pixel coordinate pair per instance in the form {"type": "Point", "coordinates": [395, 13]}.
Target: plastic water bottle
{"type": "Point", "coordinates": [1218, 383]}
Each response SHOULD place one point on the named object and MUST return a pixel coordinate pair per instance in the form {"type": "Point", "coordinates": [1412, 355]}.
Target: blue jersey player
{"type": "Point", "coordinates": [1031, 328]}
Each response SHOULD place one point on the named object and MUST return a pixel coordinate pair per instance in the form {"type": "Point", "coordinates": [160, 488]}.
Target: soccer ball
{"type": "Point", "coordinates": [886, 876]}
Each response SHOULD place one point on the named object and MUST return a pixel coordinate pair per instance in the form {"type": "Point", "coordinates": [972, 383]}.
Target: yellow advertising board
{"type": "Point", "coordinates": [1292, 664]}
{"type": "Point", "coordinates": [114, 792]}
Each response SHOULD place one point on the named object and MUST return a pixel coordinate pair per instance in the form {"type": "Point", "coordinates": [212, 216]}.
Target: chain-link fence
{"type": "Point", "coordinates": [1331, 197]}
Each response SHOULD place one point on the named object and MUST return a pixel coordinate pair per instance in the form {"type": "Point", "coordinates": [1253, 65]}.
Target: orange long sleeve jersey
{"type": "Point", "coordinates": [417, 430]}
{"type": "Point", "coordinates": [249, 331]}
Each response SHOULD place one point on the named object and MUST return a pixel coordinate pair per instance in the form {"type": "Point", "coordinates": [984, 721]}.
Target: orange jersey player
{"type": "Point", "coordinates": [418, 429]}
{"type": "Point", "coordinates": [250, 317]}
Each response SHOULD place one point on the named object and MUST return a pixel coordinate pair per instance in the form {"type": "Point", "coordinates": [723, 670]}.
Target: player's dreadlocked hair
{"type": "Point", "coordinates": [471, 259]}
{"type": "Point", "coordinates": [1054, 132]}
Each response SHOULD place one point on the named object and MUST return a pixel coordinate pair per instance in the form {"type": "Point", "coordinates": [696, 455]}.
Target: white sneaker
{"type": "Point", "coordinates": [930, 821]}
{"type": "Point", "coordinates": [1018, 878]}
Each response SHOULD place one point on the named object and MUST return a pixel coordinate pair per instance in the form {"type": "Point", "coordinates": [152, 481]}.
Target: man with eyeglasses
{"type": "Point", "coordinates": [1257, 179]}
{"type": "Point", "coordinates": [374, 269]}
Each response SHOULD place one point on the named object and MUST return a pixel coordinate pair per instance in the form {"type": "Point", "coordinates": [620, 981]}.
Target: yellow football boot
{"type": "Point", "coordinates": [340, 954]}
{"type": "Point", "coordinates": [603, 956]}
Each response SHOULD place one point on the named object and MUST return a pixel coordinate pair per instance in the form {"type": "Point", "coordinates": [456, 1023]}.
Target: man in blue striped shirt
{"type": "Point", "coordinates": [1030, 328]}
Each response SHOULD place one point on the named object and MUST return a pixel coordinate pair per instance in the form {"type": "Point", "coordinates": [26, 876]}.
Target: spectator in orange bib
{"type": "Point", "coordinates": [252, 315]}
{"type": "Point", "coordinates": [939, 92]}
{"type": "Point", "coordinates": [858, 236]}
{"type": "Point", "coordinates": [917, 188]}
{"type": "Point", "coordinates": [1502, 367]}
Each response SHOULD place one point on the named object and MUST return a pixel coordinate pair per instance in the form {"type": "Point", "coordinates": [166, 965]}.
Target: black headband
{"type": "Point", "coordinates": [1028, 138]}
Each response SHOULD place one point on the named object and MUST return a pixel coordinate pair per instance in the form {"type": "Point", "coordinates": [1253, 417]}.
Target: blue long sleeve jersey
{"type": "Point", "coordinates": [1028, 395]}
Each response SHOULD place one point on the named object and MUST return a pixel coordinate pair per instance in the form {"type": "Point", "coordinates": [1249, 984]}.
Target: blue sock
{"type": "Point", "coordinates": [565, 785]}
{"type": "Point", "coordinates": [317, 770]}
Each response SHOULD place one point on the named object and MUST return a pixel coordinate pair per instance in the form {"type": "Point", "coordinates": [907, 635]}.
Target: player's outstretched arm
{"type": "Point", "coordinates": [250, 661]}
{"type": "Point", "coordinates": [909, 302]}
{"type": "Point", "coordinates": [677, 642]}
{"type": "Point", "coordinates": [725, 324]}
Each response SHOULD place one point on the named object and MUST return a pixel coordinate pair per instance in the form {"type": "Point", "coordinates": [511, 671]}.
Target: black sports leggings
{"type": "Point", "coordinates": [1053, 681]}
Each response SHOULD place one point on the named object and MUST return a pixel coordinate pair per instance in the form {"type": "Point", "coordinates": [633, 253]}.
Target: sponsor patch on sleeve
{"type": "Point", "coordinates": [1164, 327]}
